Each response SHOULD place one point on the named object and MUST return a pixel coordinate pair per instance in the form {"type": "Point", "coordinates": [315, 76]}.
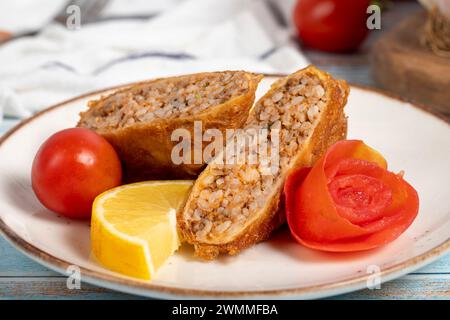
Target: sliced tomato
{"type": "Point", "coordinates": [348, 201]}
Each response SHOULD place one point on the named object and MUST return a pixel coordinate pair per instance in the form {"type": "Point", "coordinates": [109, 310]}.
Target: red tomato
{"type": "Point", "coordinates": [332, 25]}
{"type": "Point", "coordinates": [71, 168]}
{"type": "Point", "coordinates": [348, 201]}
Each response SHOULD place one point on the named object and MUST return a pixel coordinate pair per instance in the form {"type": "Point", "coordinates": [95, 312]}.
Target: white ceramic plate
{"type": "Point", "coordinates": [410, 138]}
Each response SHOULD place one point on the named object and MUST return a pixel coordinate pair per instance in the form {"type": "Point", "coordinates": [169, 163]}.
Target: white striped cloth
{"type": "Point", "coordinates": [193, 36]}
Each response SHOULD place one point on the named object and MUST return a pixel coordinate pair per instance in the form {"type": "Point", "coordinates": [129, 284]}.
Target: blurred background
{"type": "Point", "coordinates": [53, 50]}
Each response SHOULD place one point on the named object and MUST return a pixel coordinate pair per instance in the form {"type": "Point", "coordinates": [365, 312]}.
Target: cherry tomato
{"type": "Point", "coordinates": [71, 168]}
{"type": "Point", "coordinates": [332, 25]}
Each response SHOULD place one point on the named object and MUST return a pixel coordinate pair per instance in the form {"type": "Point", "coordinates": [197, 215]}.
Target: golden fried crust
{"type": "Point", "coordinates": [332, 127]}
{"type": "Point", "coordinates": [145, 148]}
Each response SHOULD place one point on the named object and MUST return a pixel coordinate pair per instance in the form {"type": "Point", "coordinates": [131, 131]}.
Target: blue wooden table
{"type": "Point", "coordinates": [22, 278]}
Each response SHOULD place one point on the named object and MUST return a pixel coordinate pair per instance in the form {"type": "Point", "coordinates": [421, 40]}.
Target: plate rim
{"type": "Point", "coordinates": [140, 287]}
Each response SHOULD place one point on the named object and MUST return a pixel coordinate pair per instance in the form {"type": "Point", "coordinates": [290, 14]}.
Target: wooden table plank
{"type": "Point", "coordinates": [440, 266]}
{"type": "Point", "coordinates": [53, 288]}
{"type": "Point", "coordinates": [412, 286]}
{"type": "Point", "coordinates": [434, 286]}
{"type": "Point", "coordinates": [15, 264]}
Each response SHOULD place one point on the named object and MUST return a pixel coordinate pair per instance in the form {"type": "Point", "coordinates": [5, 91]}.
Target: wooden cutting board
{"type": "Point", "coordinates": [402, 65]}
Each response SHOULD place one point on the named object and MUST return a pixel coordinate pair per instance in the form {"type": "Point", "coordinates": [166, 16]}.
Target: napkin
{"type": "Point", "coordinates": [21, 16]}
{"type": "Point", "coordinates": [191, 36]}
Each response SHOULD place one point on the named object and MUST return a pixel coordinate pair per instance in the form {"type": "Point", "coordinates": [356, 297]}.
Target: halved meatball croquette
{"type": "Point", "coordinates": [233, 206]}
{"type": "Point", "coordinates": [139, 120]}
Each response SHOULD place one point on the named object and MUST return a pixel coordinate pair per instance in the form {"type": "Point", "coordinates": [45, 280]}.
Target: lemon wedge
{"type": "Point", "coordinates": [133, 227]}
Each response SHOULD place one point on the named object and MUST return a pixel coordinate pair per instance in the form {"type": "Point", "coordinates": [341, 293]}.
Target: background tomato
{"type": "Point", "coordinates": [71, 168]}
{"type": "Point", "coordinates": [331, 25]}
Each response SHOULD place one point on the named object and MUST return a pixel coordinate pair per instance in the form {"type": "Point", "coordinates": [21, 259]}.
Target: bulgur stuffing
{"type": "Point", "coordinates": [230, 195]}
{"type": "Point", "coordinates": [166, 99]}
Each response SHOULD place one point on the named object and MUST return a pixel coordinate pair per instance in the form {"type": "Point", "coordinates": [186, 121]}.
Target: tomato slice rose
{"type": "Point", "coordinates": [348, 201]}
